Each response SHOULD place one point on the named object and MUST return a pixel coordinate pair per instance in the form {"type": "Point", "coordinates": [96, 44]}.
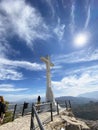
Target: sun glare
{"type": "Point", "coordinates": [81, 40]}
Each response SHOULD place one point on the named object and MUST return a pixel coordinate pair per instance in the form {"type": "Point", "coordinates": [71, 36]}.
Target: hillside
{"type": "Point", "coordinates": [93, 95]}
{"type": "Point", "coordinates": [87, 111]}
{"type": "Point", "coordinates": [74, 100]}
{"type": "Point", "coordinates": [85, 108]}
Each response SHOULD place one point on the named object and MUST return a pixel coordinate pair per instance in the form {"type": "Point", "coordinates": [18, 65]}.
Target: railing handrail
{"type": "Point", "coordinates": [34, 112]}
{"type": "Point", "coordinates": [37, 117]}
{"type": "Point", "coordinates": [16, 113]}
{"type": "Point", "coordinates": [42, 104]}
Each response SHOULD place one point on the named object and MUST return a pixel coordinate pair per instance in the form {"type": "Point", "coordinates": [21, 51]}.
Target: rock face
{"type": "Point", "coordinates": [66, 121]}
{"type": "Point", "coordinates": [92, 124]}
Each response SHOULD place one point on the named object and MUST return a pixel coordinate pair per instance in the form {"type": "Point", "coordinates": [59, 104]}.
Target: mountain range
{"type": "Point", "coordinates": [74, 100]}
{"type": "Point", "coordinates": [93, 95]}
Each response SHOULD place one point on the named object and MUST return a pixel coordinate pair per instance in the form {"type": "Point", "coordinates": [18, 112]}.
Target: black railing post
{"type": "Point", "coordinates": [13, 117]}
{"type": "Point", "coordinates": [32, 118]}
{"type": "Point", "coordinates": [70, 104]}
{"type": "Point", "coordinates": [23, 109]}
{"type": "Point", "coordinates": [57, 108]}
{"type": "Point", "coordinates": [37, 117]}
{"type": "Point", "coordinates": [66, 104]}
{"type": "Point", "coordinates": [51, 111]}
{"type": "Point", "coordinates": [25, 106]}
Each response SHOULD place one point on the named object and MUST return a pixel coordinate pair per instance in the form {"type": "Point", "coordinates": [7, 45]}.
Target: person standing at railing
{"type": "Point", "coordinates": [2, 109]}
{"type": "Point", "coordinates": [38, 103]}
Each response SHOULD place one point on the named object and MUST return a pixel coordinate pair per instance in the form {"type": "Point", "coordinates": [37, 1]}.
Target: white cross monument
{"type": "Point", "coordinates": [49, 92]}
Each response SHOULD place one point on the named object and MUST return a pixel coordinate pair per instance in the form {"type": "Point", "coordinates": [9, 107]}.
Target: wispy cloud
{"type": "Point", "coordinates": [77, 57]}
{"type": "Point", "coordinates": [14, 93]}
{"type": "Point", "coordinates": [88, 10]}
{"type": "Point", "coordinates": [72, 14]}
{"type": "Point", "coordinates": [59, 30]}
{"type": "Point", "coordinates": [70, 64]}
{"type": "Point", "coordinates": [22, 97]}
{"type": "Point", "coordinates": [50, 4]}
{"type": "Point", "coordinates": [8, 68]}
{"type": "Point", "coordinates": [10, 88]}
{"type": "Point", "coordinates": [26, 22]}
{"type": "Point", "coordinates": [23, 64]}
{"type": "Point", "coordinates": [23, 20]}
{"type": "Point", "coordinates": [76, 79]}
{"type": "Point", "coordinates": [4, 47]}
{"type": "Point", "coordinates": [7, 73]}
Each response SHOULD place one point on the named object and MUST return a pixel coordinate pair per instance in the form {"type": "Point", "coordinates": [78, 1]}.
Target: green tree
{"type": "Point", "coordinates": [8, 113]}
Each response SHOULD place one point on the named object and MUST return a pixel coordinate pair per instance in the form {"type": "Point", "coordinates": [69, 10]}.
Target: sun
{"type": "Point", "coordinates": [81, 39]}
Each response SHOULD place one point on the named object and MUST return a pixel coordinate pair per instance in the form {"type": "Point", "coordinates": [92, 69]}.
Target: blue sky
{"type": "Point", "coordinates": [31, 29]}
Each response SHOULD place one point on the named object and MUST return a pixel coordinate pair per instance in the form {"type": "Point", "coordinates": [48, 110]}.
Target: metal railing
{"type": "Point", "coordinates": [18, 110]}
{"type": "Point", "coordinates": [66, 104]}
{"type": "Point", "coordinates": [43, 108]}
{"type": "Point", "coordinates": [34, 112]}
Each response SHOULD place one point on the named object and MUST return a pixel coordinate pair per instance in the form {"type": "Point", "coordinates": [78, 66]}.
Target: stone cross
{"type": "Point", "coordinates": [49, 92]}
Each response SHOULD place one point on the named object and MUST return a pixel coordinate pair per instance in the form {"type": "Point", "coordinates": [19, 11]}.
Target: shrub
{"type": "Point", "coordinates": [8, 114]}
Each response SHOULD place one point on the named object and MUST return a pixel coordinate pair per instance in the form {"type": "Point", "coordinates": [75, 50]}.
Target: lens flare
{"type": "Point", "coordinates": [81, 39]}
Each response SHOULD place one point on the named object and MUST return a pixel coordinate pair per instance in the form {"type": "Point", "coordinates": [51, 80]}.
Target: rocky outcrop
{"type": "Point", "coordinates": [92, 124]}
{"type": "Point", "coordinates": [66, 121]}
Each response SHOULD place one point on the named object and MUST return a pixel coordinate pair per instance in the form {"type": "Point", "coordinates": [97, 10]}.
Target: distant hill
{"type": "Point", "coordinates": [74, 100]}
{"type": "Point", "coordinates": [88, 111]}
{"type": "Point", "coordinates": [93, 95]}
{"type": "Point", "coordinates": [81, 99]}
{"type": "Point", "coordinates": [33, 100]}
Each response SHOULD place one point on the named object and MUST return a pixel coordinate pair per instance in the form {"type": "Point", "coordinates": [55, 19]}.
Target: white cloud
{"type": "Point", "coordinates": [23, 64]}
{"type": "Point", "coordinates": [8, 68]}
{"type": "Point", "coordinates": [10, 74]}
{"type": "Point", "coordinates": [76, 79]}
{"type": "Point", "coordinates": [22, 97]}
{"type": "Point", "coordinates": [10, 88]}
{"type": "Point", "coordinates": [23, 20]}
{"type": "Point", "coordinates": [75, 67]}
{"type": "Point", "coordinates": [75, 85]}
{"type": "Point", "coordinates": [77, 57]}
{"type": "Point", "coordinates": [83, 69]}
